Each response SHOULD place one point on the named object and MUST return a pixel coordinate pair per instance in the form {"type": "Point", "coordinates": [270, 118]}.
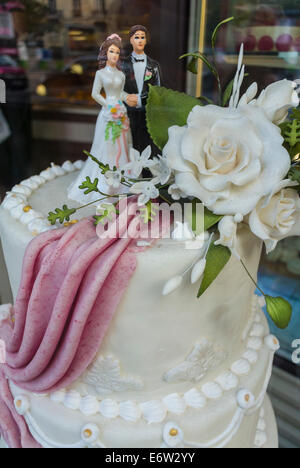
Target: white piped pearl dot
{"type": "Point", "coordinates": [272, 342]}
{"type": "Point", "coordinates": [90, 433]}
{"type": "Point", "coordinates": [245, 399]}
{"type": "Point", "coordinates": [22, 404]}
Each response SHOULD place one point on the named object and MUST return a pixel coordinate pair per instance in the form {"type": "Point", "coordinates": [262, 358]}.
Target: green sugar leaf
{"type": "Point", "coordinates": [89, 186]}
{"type": "Point", "coordinates": [103, 167]}
{"type": "Point", "coordinates": [210, 219]}
{"type": "Point", "coordinates": [292, 133]}
{"type": "Point", "coordinates": [294, 175]}
{"type": "Point", "coordinates": [201, 220]}
{"type": "Point", "coordinates": [217, 258]}
{"type": "Point", "coordinates": [280, 311]}
{"type": "Point", "coordinates": [164, 109]}
{"type": "Point", "coordinates": [61, 215]}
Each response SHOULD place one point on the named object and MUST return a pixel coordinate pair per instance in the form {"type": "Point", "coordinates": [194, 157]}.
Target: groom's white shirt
{"type": "Point", "coordinates": [139, 73]}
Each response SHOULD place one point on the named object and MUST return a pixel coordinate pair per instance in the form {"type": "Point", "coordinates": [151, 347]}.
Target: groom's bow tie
{"type": "Point", "coordinates": [138, 60]}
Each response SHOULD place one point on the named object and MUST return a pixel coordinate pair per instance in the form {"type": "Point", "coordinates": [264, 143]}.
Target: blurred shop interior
{"type": "Point", "coordinates": [48, 59]}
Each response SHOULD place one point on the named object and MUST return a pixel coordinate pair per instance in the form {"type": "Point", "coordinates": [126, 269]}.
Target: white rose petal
{"type": "Point", "coordinates": [277, 99]}
{"type": "Point", "coordinates": [228, 158]}
{"type": "Point", "coordinates": [278, 217]}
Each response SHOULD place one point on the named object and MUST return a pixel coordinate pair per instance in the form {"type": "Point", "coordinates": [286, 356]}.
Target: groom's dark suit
{"type": "Point", "coordinates": [137, 116]}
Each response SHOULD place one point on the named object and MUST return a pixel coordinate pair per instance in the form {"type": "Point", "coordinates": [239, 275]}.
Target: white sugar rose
{"type": "Point", "coordinates": [277, 99]}
{"type": "Point", "coordinates": [228, 158]}
{"type": "Point", "coordinates": [277, 216]}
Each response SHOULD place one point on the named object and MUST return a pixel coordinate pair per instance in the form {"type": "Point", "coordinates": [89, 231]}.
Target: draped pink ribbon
{"type": "Point", "coordinates": [72, 283]}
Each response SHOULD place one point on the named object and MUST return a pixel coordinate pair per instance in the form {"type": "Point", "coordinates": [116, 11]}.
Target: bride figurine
{"type": "Point", "coordinates": [113, 139]}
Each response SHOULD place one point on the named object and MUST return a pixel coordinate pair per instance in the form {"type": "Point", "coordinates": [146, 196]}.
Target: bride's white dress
{"type": "Point", "coordinates": [106, 148]}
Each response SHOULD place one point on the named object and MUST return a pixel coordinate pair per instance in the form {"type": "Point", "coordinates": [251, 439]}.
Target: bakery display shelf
{"type": "Point", "coordinates": [288, 61]}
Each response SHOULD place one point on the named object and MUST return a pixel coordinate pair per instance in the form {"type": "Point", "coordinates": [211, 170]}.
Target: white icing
{"type": "Point", "coordinates": [260, 439]}
{"type": "Point", "coordinates": [48, 174]}
{"type": "Point", "coordinates": [212, 391]}
{"type": "Point", "coordinates": [11, 202]}
{"type": "Point", "coordinates": [202, 359]}
{"type": "Point", "coordinates": [106, 377]}
{"type": "Point", "coordinates": [172, 435]}
{"type": "Point", "coordinates": [38, 225]}
{"type": "Point", "coordinates": [272, 342]}
{"type": "Point", "coordinates": [22, 404]}
{"type": "Point", "coordinates": [251, 356]}
{"type": "Point", "coordinates": [22, 189]}
{"type": "Point", "coordinates": [39, 180]}
{"type": "Point", "coordinates": [255, 343]}
{"type": "Point", "coordinates": [257, 318]}
{"type": "Point", "coordinates": [258, 330]}
{"type": "Point", "coordinates": [109, 409]}
{"type": "Point", "coordinates": [58, 396]}
{"type": "Point", "coordinates": [79, 164]}
{"type": "Point", "coordinates": [153, 411]}
{"type": "Point", "coordinates": [245, 399]}
{"type": "Point", "coordinates": [31, 184]}
{"type": "Point", "coordinates": [17, 211]}
{"type": "Point", "coordinates": [262, 301]}
{"type": "Point", "coordinates": [241, 367]}
{"type": "Point", "coordinates": [175, 404]}
{"type": "Point", "coordinates": [261, 426]}
{"type": "Point", "coordinates": [68, 166]}
{"type": "Point", "coordinates": [130, 411]}
{"type": "Point", "coordinates": [156, 411]}
{"type": "Point", "coordinates": [57, 170]}
{"type": "Point", "coordinates": [16, 200]}
{"type": "Point", "coordinates": [247, 405]}
{"type": "Point", "coordinates": [90, 433]}
{"type": "Point", "coordinates": [227, 381]}
{"type": "Point", "coordinates": [72, 400]}
{"type": "Point", "coordinates": [195, 399]}
{"type": "Point", "coordinates": [89, 405]}
{"type": "Point", "coordinates": [31, 215]}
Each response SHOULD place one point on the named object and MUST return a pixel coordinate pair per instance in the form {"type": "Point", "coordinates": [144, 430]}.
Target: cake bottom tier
{"type": "Point", "coordinates": [231, 412]}
{"type": "Point", "coordinates": [265, 435]}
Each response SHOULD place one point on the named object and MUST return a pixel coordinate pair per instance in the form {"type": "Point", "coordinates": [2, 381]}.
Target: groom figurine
{"type": "Point", "coordinates": [140, 71]}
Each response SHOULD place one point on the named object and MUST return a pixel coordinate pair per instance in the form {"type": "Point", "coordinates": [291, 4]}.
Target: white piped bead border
{"type": "Point", "coordinates": [16, 202]}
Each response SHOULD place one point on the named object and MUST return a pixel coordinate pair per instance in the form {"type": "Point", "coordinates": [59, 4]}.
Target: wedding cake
{"type": "Point", "coordinates": [119, 338]}
{"type": "Point", "coordinates": [173, 371]}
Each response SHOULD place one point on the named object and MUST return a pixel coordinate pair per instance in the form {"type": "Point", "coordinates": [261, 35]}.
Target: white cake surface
{"type": "Point", "coordinates": [196, 368]}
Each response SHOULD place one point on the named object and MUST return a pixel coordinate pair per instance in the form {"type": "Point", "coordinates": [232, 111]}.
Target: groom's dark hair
{"type": "Point", "coordinates": [137, 28]}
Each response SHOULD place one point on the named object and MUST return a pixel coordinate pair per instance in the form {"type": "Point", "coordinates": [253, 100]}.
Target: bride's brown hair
{"type": "Point", "coordinates": [115, 40]}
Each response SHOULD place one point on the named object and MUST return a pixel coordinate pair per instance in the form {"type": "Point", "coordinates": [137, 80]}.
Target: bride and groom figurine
{"type": "Point", "coordinates": [121, 124]}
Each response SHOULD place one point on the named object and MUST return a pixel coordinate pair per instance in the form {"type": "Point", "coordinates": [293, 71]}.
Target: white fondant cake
{"type": "Point", "coordinates": [173, 371]}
